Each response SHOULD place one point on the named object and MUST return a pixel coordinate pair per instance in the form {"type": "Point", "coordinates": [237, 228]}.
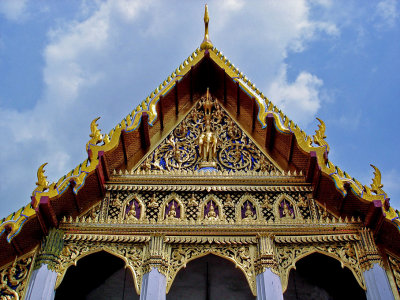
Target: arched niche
{"type": "Point", "coordinates": [247, 204]}
{"type": "Point", "coordinates": [205, 206]}
{"type": "Point", "coordinates": [319, 276]}
{"type": "Point", "coordinates": [330, 252]}
{"type": "Point", "coordinates": [210, 276]}
{"type": "Point", "coordinates": [171, 201]}
{"type": "Point", "coordinates": [133, 203]}
{"type": "Point", "coordinates": [285, 207]}
{"type": "Point", "coordinates": [99, 275]}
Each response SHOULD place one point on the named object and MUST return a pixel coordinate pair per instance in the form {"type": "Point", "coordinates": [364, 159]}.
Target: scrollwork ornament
{"type": "Point", "coordinates": [345, 253]}
{"type": "Point", "coordinates": [207, 138]}
{"type": "Point", "coordinates": [14, 279]}
{"type": "Point", "coordinates": [241, 255]}
{"type": "Point", "coordinates": [132, 254]}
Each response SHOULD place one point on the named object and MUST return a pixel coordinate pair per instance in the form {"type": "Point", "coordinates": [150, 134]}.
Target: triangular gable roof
{"type": "Point", "coordinates": [49, 203]}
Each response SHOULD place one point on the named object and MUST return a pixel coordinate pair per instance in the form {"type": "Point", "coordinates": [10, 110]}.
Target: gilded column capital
{"type": "Point", "coordinates": [157, 255]}
{"type": "Point", "coordinates": [266, 258]}
{"type": "Point", "coordinates": [368, 253]}
{"type": "Point", "coordinates": [50, 250]}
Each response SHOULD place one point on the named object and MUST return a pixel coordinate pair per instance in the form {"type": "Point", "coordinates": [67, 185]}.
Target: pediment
{"type": "Point", "coordinates": [207, 139]}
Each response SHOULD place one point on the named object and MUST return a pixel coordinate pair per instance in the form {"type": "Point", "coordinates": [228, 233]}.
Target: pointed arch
{"type": "Point", "coordinates": [166, 202]}
{"type": "Point", "coordinates": [257, 215]}
{"type": "Point", "coordinates": [125, 203]}
{"type": "Point", "coordinates": [79, 253]}
{"type": "Point", "coordinates": [293, 204]}
{"type": "Point", "coordinates": [204, 204]}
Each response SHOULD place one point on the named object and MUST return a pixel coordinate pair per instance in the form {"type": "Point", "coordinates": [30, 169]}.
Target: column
{"type": "Point", "coordinates": [43, 278]}
{"type": "Point", "coordinates": [376, 281]}
{"type": "Point", "coordinates": [269, 285]}
{"type": "Point", "coordinates": [154, 282]}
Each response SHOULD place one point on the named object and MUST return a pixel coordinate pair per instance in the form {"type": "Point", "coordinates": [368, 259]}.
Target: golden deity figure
{"type": "Point", "coordinates": [192, 201]}
{"type": "Point", "coordinates": [172, 212]}
{"type": "Point", "coordinates": [229, 202]}
{"type": "Point", "coordinates": [248, 214]}
{"type": "Point", "coordinates": [266, 203]}
{"type": "Point", "coordinates": [132, 211]}
{"type": "Point", "coordinates": [208, 145]}
{"type": "Point", "coordinates": [286, 212]}
{"type": "Point", "coordinates": [302, 201]}
{"type": "Point", "coordinates": [153, 202]}
{"type": "Point", "coordinates": [212, 215]}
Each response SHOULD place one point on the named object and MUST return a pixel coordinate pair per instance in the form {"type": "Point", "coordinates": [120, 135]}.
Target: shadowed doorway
{"type": "Point", "coordinates": [210, 278]}
{"type": "Point", "coordinates": [99, 276]}
{"type": "Point", "coordinates": [320, 277]}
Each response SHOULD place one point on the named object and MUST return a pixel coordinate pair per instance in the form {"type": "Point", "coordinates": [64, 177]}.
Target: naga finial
{"type": "Point", "coordinates": [376, 185]}
{"type": "Point", "coordinates": [96, 136]}
{"type": "Point", "coordinates": [206, 44]}
{"type": "Point", "coordinates": [319, 137]}
{"type": "Point", "coordinates": [42, 183]}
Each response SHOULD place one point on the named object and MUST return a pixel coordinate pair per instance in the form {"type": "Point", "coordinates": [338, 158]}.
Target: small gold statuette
{"type": "Point", "coordinates": [211, 215]}
{"type": "Point", "coordinates": [192, 201]}
{"type": "Point", "coordinates": [153, 202]}
{"type": "Point", "coordinates": [248, 214]}
{"type": "Point", "coordinates": [132, 211]}
{"type": "Point", "coordinates": [302, 201]}
{"type": "Point", "coordinates": [287, 213]}
{"type": "Point", "coordinates": [266, 203]}
{"type": "Point", "coordinates": [172, 212]}
{"type": "Point", "coordinates": [229, 202]}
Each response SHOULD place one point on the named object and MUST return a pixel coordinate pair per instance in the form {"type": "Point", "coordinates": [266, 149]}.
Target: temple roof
{"type": "Point", "coordinates": [125, 145]}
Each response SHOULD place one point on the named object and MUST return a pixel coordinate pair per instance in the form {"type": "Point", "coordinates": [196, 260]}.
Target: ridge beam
{"type": "Point", "coordinates": [101, 172]}
{"type": "Point", "coordinates": [144, 131]}
{"type": "Point", "coordinates": [269, 136]}
{"type": "Point", "coordinates": [46, 215]}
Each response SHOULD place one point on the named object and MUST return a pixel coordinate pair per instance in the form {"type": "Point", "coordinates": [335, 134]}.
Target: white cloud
{"type": "Point", "coordinates": [387, 13]}
{"type": "Point", "coordinates": [300, 99]}
{"type": "Point", "coordinates": [13, 10]}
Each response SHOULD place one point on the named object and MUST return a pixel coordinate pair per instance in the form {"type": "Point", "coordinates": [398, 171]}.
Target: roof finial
{"type": "Point", "coordinates": [206, 44]}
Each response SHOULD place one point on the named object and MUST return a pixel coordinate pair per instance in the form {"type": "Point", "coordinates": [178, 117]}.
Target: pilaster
{"type": "Point", "coordinates": [43, 279]}
{"type": "Point", "coordinates": [376, 280]}
{"type": "Point", "coordinates": [269, 286]}
{"type": "Point", "coordinates": [154, 282]}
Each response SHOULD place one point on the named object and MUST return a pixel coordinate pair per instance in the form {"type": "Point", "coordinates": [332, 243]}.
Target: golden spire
{"type": "Point", "coordinates": [206, 44]}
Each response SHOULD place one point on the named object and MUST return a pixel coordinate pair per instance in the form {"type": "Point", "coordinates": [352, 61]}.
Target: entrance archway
{"type": "Point", "coordinates": [321, 277]}
{"type": "Point", "coordinates": [97, 276]}
{"type": "Point", "coordinates": [210, 277]}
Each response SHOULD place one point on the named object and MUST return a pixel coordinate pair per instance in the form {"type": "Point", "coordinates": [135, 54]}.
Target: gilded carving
{"type": "Point", "coordinates": [286, 209]}
{"type": "Point", "coordinates": [132, 254]}
{"type": "Point", "coordinates": [248, 209]}
{"type": "Point", "coordinates": [133, 208]}
{"type": "Point", "coordinates": [241, 255]}
{"type": "Point", "coordinates": [345, 252]}
{"type": "Point", "coordinates": [207, 138]}
{"type": "Point", "coordinates": [395, 266]}
{"type": "Point", "coordinates": [14, 278]}
{"type": "Point", "coordinates": [211, 209]}
{"type": "Point", "coordinates": [172, 208]}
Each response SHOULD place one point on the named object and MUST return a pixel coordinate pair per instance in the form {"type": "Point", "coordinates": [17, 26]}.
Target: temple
{"type": "Point", "coordinates": [205, 191]}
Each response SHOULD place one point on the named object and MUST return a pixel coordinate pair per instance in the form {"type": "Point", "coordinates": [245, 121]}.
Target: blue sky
{"type": "Point", "coordinates": [63, 63]}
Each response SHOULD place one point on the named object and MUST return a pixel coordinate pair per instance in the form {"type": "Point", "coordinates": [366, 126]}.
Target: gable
{"type": "Point", "coordinates": [207, 139]}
